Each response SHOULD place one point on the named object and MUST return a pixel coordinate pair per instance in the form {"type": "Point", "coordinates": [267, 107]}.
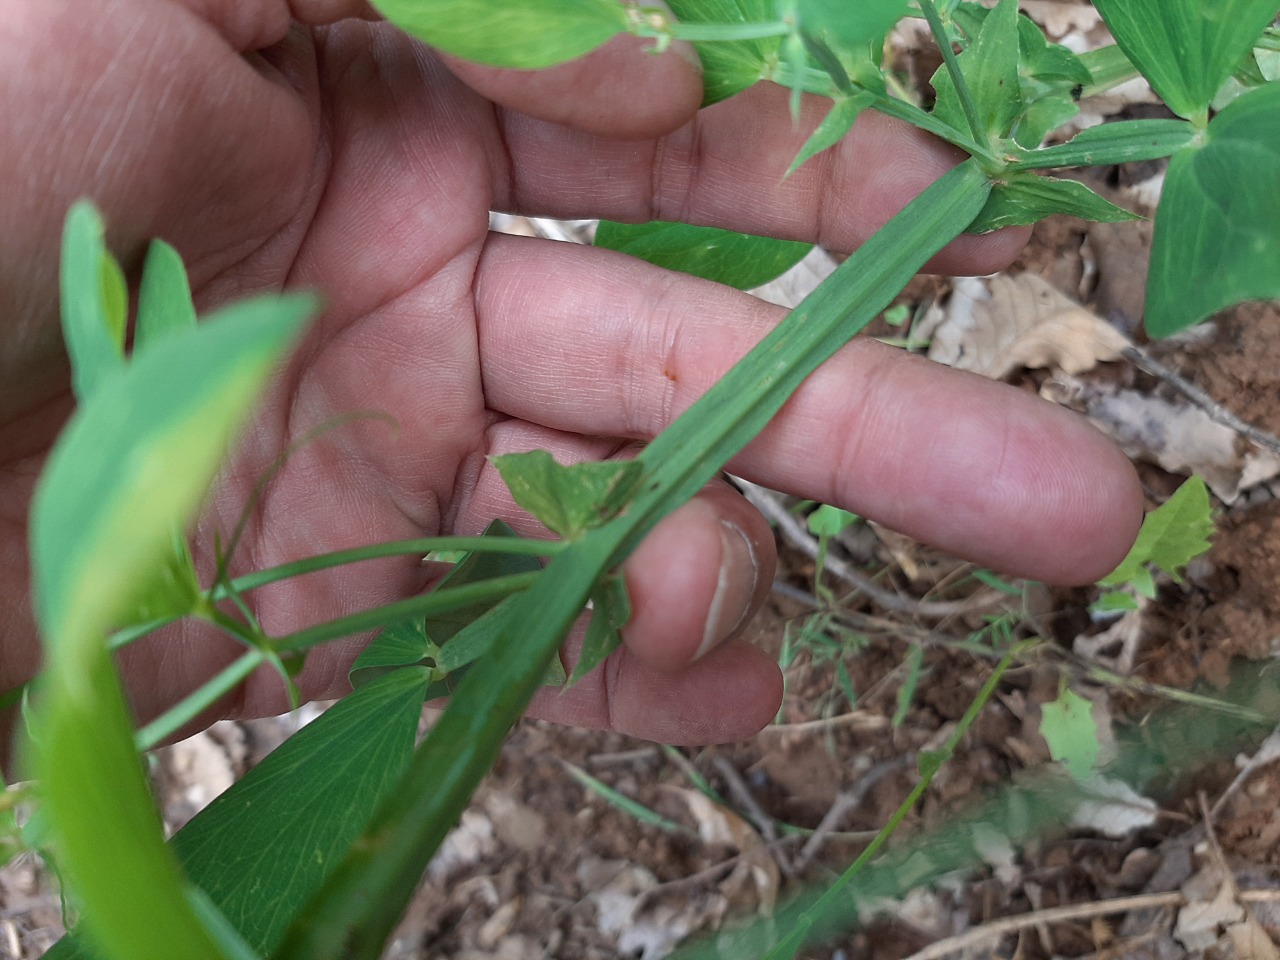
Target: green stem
{"type": "Point", "coordinates": [355, 911]}
{"type": "Point", "coordinates": [967, 103]}
{"type": "Point", "coordinates": [178, 716]}
{"type": "Point", "coordinates": [422, 545]}
{"type": "Point", "coordinates": [435, 602]}
{"type": "Point", "coordinates": [833, 896]}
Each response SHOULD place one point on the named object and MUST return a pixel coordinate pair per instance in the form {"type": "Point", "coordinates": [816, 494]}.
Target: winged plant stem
{"type": "Point", "coordinates": [832, 899]}
{"type": "Point", "coordinates": [355, 911]}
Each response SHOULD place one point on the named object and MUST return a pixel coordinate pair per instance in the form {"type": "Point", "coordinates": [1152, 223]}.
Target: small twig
{"type": "Point", "coordinates": [1267, 753]}
{"type": "Point", "coordinates": [1215, 411]}
{"type": "Point", "coordinates": [711, 872]}
{"type": "Point", "coordinates": [790, 526]}
{"type": "Point", "coordinates": [1076, 911]}
{"type": "Point", "coordinates": [846, 801]}
{"type": "Point", "coordinates": [861, 719]}
{"type": "Point", "coordinates": [752, 810]}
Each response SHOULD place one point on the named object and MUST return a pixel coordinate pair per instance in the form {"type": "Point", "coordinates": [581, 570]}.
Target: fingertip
{"type": "Point", "coordinates": [697, 579]}
{"type": "Point", "coordinates": [622, 90]}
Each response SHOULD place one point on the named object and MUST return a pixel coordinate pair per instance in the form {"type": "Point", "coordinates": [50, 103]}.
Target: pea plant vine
{"type": "Point", "coordinates": [315, 853]}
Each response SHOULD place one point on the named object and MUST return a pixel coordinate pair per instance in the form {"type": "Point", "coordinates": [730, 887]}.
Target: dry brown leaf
{"type": "Point", "coordinates": [1178, 437]}
{"type": "Point", "coordinates": [719, 824]}
{"type": "Point", "coordinates": [1251, 941]}
{"type": "Point", "coordinates": [1020, 321]}
{"type": "Point", "coordinates": [1060, 18]}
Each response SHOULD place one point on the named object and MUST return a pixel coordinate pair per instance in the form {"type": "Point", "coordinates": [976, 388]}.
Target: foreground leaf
{"type": "Point", "coordinates": [527, 34]}
{"type": "Point", "coordinates": [280, 828]}
{"type": "Point", "coordinates": [132, 466]}
{"type": "Point", "coordinates": [93, 307]}
{"type": "Point", "coordinates": [1217, 231]}
{"type": "Point", "coordinates": [1187, 48]}
{"type": "Point", "coordinates": [734, 259]}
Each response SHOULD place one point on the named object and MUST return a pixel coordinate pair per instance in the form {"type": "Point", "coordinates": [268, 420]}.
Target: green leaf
{"type": "Point", "coordinates": [1172, 535]}
{"type": "Point", "coordinates": [94, 310]}
{"type": "Point", "coordinates": [611, 609]}
{"type": "Point", "coordinates": [828, 521]}
{"type": "Point", "coordinates": [569, 500]}
{"type": "Point", "coordinates": [1024, 199]}
{"type": "Point", "coordinates": [838, 121]}
{"type": "Point", "coordinates": [1187, 48]}
{"type": "Point", "coordinates": [131, 466]}
{"type": "Point", "coordinates": [1124, 141]}
{"type": "Point", "coordinates": [164, 298]}
{"type": "Point", "coordinates": [1068, 728]}
{"type": "Point", "coordinates": [733, 66]}
{"type": "Point", "coordinates": [450, 640]}
{"type": "Point", "coordinates": [1114, 601]}
{"type": "Point", "coordinates": [287, 822]}
{"type": "Point", "coordinates": [848, 26]}
{"type": "Point", "coordinates": [527, 34]}
{"type": "Point", "coordinates": [734, 259]}
{"type": "Point", "coordinates": [260, 849]}
{"type": "Point", "coordinates": [403, 644]}
{"type": "Point", "coordinates": [990, 67]}
{"type": "Point", "coordinates": [1217, 230]}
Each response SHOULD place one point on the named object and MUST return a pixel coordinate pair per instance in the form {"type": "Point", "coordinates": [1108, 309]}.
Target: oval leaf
{"type": "Point", "coordinates": [133, 465]}
{"type": "Point", "coordinates": [527, 34]}
{"type": "Point", "coordinates": [734, 259]}
{"type": "Point", "coordinates": [1217, 231]}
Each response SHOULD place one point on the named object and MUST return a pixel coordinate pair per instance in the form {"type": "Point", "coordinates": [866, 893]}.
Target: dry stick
{"type": "Point", "coordinates": [1076, 911]}
{"type": "Point", "coordinates": [1215, 411]}
{"type": "Point", "coordinates": [848, 800]}
{"type": "Point", "coordinates": [769, 504]}
{"type": "Point", "coordinates": [754, 812]}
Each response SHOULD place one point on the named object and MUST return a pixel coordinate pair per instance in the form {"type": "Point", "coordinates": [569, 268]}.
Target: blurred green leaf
{"type": "Point", "coordinates": [94, 306]}
{"type": "Point", "coordinates": [734, 259]}
{"type": "Point", "coordinates": [1024, 199]}
{"type": "Point", "coordinates": [567, 500]}
{"type": "Point", "coordinates": [527, 34]}
{"type": "Point", "coordinates": [164, 298]}
{"type": "Point", "coordinates": [849, 25]}
{"type": "Point", "coordinates": [1068, 728]}
{"type": "Point", "coordinates": [733, 66]}
{"type": "Point", "coordinates": [1187, 48]}
{"type": "Point", "coordinates": [131, 467]}
{"type": "Point", "coordinates": [828, 521]}
{"type": "Point", "coordinates": [1217, 231]}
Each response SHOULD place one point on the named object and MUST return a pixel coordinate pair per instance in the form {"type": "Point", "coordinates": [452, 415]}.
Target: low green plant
{"type": "Point", "coordinates": [316, 852]}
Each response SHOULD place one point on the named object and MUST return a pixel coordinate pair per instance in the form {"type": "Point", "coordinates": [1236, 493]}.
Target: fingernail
{"type": "Point", "coordinates": [735, 586]}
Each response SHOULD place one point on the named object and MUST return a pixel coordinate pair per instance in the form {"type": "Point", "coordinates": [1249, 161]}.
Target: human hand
{"type": "Point", "coordinates": [348, 159]}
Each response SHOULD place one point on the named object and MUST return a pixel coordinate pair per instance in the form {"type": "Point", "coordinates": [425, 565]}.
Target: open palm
{"type": "Point", "coordinates": [349, 159]}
